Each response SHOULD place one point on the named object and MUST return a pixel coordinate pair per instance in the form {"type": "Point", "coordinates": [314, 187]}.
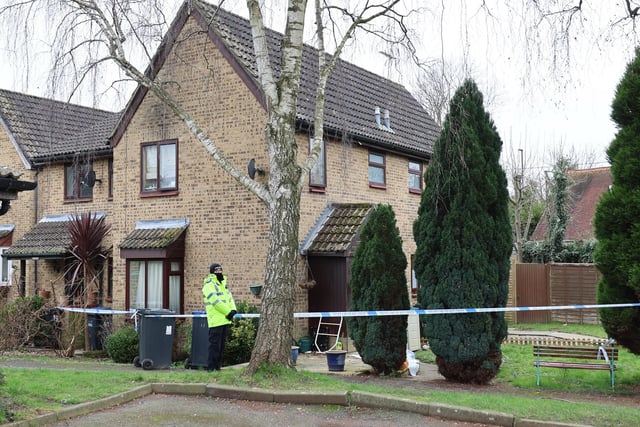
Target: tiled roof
{"type": "Point", "coordinates": [585, 192]}
{"type": "Point", "coordinates": [154, 234]}
{"type": "Point", "coordinates": [45, 128]}
{"type": "Point", "coordinates": [49, 238]}
{"type": "Point", "coordinates": [352, 92]}
{"type": "Point", "coordinates": [351, 95]}
{"type": "Point", "coordinates": [337, 228]}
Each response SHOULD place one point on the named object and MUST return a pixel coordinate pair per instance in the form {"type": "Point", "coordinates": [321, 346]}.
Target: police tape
{"type": "Point", "coordinates": [365, 313]}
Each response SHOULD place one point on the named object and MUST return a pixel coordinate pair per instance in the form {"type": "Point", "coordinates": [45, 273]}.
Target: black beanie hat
{"type": "Point", "coordinates": [213, 267]}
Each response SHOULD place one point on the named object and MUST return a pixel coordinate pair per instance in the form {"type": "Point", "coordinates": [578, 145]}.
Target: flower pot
{"type": "Point", "coordinates": [335, 360]}
{"type": "Point", "coordinates": [294, 353]}
{"type": "Point", "coordinates": [92, 299]}
{"type": "Point", "coordinates": [44, 293]}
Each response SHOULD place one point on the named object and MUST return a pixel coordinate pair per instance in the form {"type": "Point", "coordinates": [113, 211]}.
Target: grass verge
{"type": "Point", "coordinates": [30, 392]}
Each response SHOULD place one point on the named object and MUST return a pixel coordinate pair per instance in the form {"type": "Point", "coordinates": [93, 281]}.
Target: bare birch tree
{"type": "Point", "coordinates": [90, 33]}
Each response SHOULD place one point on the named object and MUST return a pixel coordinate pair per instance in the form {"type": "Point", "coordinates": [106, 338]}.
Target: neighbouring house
{"type": "Point", "coordinates": [585, 189]}
{"type": "Point", "coordinates": [566, 283]}
{"type": "Point", "coordinates": [173, 211]}
{"type": "Point", "coordinates": [63, 148]}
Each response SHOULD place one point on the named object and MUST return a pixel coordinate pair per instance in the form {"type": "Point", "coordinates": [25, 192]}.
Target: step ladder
{"type": "Point", "coordinates": [330, 325]}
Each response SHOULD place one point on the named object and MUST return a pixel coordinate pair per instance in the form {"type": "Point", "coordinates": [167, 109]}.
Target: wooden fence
{"type": "Point", "coordinates": [532, 285]}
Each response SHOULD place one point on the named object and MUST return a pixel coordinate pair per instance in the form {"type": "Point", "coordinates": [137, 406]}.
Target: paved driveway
{"type": "Point", "coordinates": [192, 411]}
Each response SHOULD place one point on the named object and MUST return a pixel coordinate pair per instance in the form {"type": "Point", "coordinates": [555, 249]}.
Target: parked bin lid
{"type": "Point", "coordinates": [198, 312]}
{"type": "Point", "coordinates": [151, 311]}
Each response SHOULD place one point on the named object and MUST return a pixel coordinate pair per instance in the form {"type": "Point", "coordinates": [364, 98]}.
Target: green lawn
{"type": "Point", "coordinates": [28, 392]}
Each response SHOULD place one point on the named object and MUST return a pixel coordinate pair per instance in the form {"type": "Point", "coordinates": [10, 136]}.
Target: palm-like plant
{"type": "Point", "coordinates": [86, 232]}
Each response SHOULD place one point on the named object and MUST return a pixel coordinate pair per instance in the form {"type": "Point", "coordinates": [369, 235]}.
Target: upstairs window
{"type": "Point", "coordinates": [415, 177]}
{"type": "Point", "coordinates": [159, 166]}
{"type": "Point", "coordinates": [76, 184]}
{"type": "Point", "coordinates": [377, 170]}
{"type": "Point", "coordinates": [318, 174]}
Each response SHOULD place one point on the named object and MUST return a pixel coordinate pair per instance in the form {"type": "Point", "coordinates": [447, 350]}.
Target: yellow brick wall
{"type": "Point", "coordinates": [51, 202]}
{"type": "Point", "coordinates": [227, 224]}
{"type": "Point", "coordinates": [21, 214]}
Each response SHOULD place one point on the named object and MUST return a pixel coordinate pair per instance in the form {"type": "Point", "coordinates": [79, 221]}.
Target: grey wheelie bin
{"type": "Point", "coordinates": [156, 339]}
{"type": "Point", "coordinates": [199, 341]}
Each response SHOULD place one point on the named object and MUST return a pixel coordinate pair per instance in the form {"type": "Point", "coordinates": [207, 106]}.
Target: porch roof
{"type": "Point", "coordinates": [337, 229]}
{"type": "Point", "coordinates": [49, 238]}
{"type": "Point", "coordinates": [155, 236]}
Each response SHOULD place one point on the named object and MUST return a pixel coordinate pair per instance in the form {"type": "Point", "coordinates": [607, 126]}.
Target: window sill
{"type": "Point", "coordinates": [159, 194]}
{"type": "Point", "coordinates": [378, 186]}
{"type": "Point", "coordinates": [414, 191]}
{"type": "Point", "coordinates": [77, 200]}
{"type": "Point", "coordinates": [317, 190]}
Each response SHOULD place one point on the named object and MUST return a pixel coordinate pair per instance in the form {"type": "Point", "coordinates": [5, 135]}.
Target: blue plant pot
{"type": "Point", "coordinates": [335, 360]}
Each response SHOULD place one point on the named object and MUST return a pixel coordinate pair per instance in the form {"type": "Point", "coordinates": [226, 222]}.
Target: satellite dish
{"type": "Point", "coordinates": [90, 179]}
{"type": "Point", "coordinates": [252, 169]}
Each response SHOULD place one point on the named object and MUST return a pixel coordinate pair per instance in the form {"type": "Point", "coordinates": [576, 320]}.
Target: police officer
{"type": "Point", "coordinates": [220, 309]}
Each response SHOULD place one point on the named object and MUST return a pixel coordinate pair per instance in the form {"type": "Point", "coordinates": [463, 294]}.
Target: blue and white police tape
{"type": "Point", "coordinates": [371, 313]}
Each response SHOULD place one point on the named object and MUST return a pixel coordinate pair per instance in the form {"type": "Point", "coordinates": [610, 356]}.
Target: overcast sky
{"type": "Point", "coordinates": [534, 108]}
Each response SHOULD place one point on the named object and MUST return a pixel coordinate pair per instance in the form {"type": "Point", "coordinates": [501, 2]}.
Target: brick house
{"type": "Point", "coordinates": [173, 211]}
{"type": "Point", "coordinates": [55, 145]}
{"type": "Point", "coordinates": [587, 186]}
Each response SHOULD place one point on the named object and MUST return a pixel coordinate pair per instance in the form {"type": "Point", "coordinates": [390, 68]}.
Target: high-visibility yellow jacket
{"type": "Point", "coordinates": [218, 301]}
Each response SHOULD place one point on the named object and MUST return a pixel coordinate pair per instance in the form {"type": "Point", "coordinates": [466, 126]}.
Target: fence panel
{"type": "Point", "coordinates": [574, 284]}
{"type": "Point", "coordinates": [532, 290]}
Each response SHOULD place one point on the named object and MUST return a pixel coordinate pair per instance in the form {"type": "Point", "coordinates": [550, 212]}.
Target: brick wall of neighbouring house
{"type": "Point", "coordinates": [50, 195]}
{"type": "Point", "coordinates": [227, 223]}
{"type": "Point", "coordinates": [51, 202]}
{"type": "Point", "coordinates": [21, 213]}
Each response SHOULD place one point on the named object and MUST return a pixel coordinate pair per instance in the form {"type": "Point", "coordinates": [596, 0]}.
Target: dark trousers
{"type": "Point", "coordinates": [217, 340]}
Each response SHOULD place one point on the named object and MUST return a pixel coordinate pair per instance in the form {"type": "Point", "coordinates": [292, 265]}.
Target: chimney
{"type": "Point", "coordinates": [387, 121]}
{"type": "Point", "coordinates": [377, 115]}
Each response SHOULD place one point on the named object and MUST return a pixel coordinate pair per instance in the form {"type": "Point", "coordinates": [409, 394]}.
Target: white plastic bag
{"type": "Point", "coordinates": [414, 364]}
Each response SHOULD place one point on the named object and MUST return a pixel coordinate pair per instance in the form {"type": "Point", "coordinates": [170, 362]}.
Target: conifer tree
{"type": "Point", "coordinates": [617, 219]}
{"type": "Point", "coordinates": [463, 237]}
{"type": "Point", "coordinates": [378, 282]}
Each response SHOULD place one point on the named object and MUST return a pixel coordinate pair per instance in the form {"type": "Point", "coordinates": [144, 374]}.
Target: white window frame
{"type": "Point", "coordinates": [6, 268]}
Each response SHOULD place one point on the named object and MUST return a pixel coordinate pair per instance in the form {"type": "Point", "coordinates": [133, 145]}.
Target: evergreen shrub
{"type": "Point", "coordinates": [378, 282]}
{"type": "Point", "coordinates": [123, 345]}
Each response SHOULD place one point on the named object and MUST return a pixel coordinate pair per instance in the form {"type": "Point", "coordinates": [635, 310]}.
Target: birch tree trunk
{"type": "Point", "coordinates": [273, 342]}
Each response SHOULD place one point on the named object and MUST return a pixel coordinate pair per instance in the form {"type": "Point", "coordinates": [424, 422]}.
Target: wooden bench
{"type": "Point", "coordinates": [602, 358]}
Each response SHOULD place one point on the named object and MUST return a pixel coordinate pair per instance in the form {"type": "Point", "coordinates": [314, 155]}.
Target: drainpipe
{"type": "Point", "coordinates": [35, 221]}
